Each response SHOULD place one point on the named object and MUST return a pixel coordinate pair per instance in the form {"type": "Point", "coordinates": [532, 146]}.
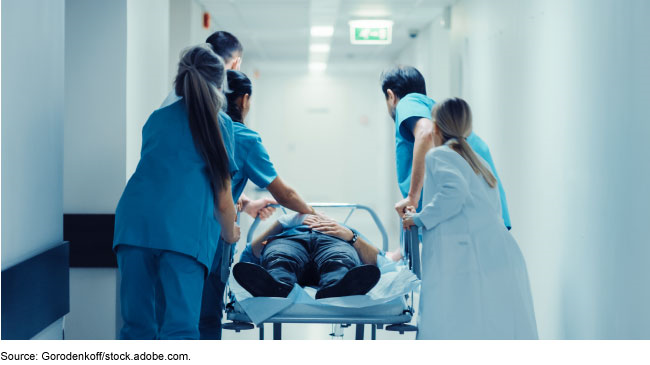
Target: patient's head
{"type": "Point", "coordinates": [399, 81]}
{"type": "Point", "coordinates": [239, 95]}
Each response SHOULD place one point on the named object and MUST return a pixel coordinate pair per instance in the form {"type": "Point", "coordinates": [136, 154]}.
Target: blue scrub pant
{"type": "Point", "coordinates": [309, 259]}
{"type": "Point", "coordinates": [181, 280]}
{"type": "Point", "coordinates": [212, 300]}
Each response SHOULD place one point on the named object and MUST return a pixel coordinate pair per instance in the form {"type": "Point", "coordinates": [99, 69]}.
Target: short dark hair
{"type": "Point", "coordinates": [402, 80]}
{"type": "Point", "coordinates": [225, 45]}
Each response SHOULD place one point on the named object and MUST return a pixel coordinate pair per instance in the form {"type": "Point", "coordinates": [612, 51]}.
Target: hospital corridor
{"type": "Point", "coordinates": [397, 169]}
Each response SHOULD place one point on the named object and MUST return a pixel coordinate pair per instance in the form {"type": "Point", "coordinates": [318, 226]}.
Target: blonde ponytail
{"type": "Point", "coordinates": [454, 119]}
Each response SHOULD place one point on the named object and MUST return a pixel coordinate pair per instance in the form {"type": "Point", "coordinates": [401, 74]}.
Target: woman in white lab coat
{"type": "Point", "coordinates": [474, 278]}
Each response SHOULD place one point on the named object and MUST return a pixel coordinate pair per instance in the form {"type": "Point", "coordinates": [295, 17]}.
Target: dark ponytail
{"type": "Point", "coordinates": [200, 75]}
{"type": "Point", "coordinates": [239, 85]}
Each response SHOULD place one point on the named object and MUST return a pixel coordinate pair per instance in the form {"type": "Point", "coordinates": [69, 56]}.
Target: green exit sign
{"type": "Point", "coordinates": [371, 32]}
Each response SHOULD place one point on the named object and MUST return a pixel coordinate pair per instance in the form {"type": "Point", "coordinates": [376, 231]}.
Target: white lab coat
{"type": "Point", "coordinates": [474, 278]}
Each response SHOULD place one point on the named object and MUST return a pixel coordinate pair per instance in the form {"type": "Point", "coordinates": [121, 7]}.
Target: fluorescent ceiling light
{"type": "Point", "coordinates": [318, 57]}
{"type": "Point", "coordinates": [371, 23]}
{"type": "Point", "coordinates": [377, 12]}
{"type": "Point", "coordinates": [322, 31]}
{"type": "Point", "coordinates": [317, 66]}
{"type": "Point", "coordinates": [319, 48]}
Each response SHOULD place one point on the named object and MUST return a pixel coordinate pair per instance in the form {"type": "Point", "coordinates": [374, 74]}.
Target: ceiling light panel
{"type": "Point", "coordinates": [319, 48]}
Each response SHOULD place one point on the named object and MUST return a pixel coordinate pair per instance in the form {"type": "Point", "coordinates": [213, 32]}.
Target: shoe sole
{"type": "Point", "coordinates": [257, 281]}
{"type": "Point", "coordinates": [358, 281]}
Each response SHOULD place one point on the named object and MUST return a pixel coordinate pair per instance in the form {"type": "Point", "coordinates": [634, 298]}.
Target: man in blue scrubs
{"type": "Point", "coordinates": [405, 92]}
{"type": "Point", "coordinates": [231, 50]}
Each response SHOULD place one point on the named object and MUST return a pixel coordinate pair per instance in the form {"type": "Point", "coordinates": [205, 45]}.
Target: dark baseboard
{"type": "Point", "coordinates": [91, 239]}
{"type": "Point", "coordinates": [35, 293]}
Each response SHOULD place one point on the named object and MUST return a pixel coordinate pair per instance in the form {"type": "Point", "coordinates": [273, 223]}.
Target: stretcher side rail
{"type": "Point", "coordinates": [412, 247]}
{"type": "Point", "coordinates": [382, 320]}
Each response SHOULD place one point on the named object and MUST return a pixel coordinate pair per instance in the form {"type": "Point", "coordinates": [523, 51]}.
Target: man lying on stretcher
{"type": "Point", "coordinates": [308, 250]}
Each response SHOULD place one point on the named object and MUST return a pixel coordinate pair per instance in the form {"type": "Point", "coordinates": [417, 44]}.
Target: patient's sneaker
{"type": "Point", "coordinates": [257, 281]}
{"type": "Point", "coordinates": [358, 281]}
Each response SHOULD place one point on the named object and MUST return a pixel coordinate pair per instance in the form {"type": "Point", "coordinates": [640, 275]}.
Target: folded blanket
{"type": "Point", "coordinates": [396, 281]}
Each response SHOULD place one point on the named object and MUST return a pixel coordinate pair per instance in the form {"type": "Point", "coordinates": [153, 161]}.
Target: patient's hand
{"type": "Point", "coordinates": [311, 219]}
{"type": "Point", "coordinates": [320, 214]}
{"type": "Point", "coordinates": [395, 255]}
{"type": "Point", "coordinates": [257, 249]}
{"type": "Point", "coordinates": [328, 226]}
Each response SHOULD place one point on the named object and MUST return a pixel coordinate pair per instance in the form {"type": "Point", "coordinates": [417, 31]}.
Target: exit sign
{"type": "Point", "coordinates": [371, 32]}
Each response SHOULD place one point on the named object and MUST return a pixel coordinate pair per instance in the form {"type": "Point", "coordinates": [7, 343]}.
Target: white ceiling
{"type": "Point", "coordinates": [278, 30]}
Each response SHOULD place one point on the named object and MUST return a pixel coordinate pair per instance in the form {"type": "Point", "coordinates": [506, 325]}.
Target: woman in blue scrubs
{"type": "Point", "coordinates": [176, 205]}
{"type": "Point", "coordinates": [254, 164]}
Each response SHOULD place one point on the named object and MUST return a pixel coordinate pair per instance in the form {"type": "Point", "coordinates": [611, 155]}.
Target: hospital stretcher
{"type": "Point", "coordinates": [393, 315]}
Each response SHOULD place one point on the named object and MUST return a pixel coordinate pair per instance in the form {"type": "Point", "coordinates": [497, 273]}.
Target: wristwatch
{"type": "Point", "coordinates": [354, 238]}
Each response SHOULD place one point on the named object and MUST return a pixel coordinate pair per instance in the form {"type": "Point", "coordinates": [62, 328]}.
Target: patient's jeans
{"type": "Point", "coordinates": [309, 259]}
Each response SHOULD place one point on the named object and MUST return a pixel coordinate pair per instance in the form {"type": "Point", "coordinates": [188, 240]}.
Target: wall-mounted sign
{"type": "Point", "coordinates": [371, 32]}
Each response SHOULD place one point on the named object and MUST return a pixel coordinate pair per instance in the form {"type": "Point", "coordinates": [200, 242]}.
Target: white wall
{"type": "Point", "coordinates": [95, 146]}
{"type": "Point", "coordinates": [94, 308]}
{"type": "Point", "coordinates": [32, 131]}
{"type": "Point", "coordinates": [95, 126]}
{"type": "Point", "coordinates": [417, 53]}
{"type": "Point", "coordinates": [179, 34]}
{"type": "Point", "coordinates": [429, 52]}
{"type": "Point", "coordinates": [198, 34]}
{"type": "Point", "coordinates": [32, 128]}
{"type": "Point", "coordinates": [185, 30]}
{"type": "Point", "coordinates": [147, 67]}
{"type": "Point", "coordinates": [116, 75]}
{"type": "Point", "coordinates": [329, 136]}
{"type": "Point", "coordinates": [558, 91]}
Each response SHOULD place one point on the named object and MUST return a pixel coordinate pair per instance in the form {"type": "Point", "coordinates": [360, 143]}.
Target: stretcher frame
{"type": "Point", "coordinates": [397, 322]}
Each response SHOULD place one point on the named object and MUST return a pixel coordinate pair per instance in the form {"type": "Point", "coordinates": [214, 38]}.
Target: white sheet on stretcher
{"type": "Point", "coordinates": [395, 281]}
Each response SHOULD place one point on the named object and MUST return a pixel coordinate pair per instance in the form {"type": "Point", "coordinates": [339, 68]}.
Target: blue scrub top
{"type": "Point", "coordinates": [408, 111]}
{"type": "Point", "coordinates": [168, 203]}
{"type": "Point", "coordinates": [226, 126]}
{"type": "Point", "coordinates": [254, 164]}
{"type": "Point", "coordinates": [481, 149]}
{"type": "Point", "coordinates": [252, 159]}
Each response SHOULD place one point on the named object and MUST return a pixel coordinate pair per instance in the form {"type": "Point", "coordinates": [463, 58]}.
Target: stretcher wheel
{"type": "Point", "coordinates": [237, 326]}
{"type": "Point", "coordinates": [401, 328]}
